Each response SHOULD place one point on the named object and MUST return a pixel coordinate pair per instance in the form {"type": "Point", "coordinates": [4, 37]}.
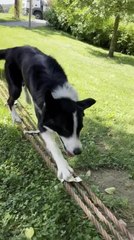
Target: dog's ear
{"type": "Point", "coordinates": [86, 103]}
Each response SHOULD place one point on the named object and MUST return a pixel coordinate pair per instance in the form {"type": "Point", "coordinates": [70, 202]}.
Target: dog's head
{"type": "Point", "coordinates": [65, 117]}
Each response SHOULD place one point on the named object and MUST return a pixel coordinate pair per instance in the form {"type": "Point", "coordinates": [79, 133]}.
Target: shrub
{"type": "Point", "coordinates": [74, 17]}
{"type": "Point", "coordinates": [126, 39]}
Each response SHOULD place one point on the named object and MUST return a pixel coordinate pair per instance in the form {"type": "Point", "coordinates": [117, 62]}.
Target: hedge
{"type": "Point", "coordinates": [84, 26]}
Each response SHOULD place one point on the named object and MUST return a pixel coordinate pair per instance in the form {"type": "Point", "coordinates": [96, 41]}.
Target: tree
{"type": "Point", "coordinates": [17, 9]}
{"type": "Point", "coordinates": [121, 8]}
{"type": "Point", "coordinates": [83, 18]}
{"type": "Point", "coordinates": [114, 36]}
{"type": "Point", "coordinates": [118, 9]}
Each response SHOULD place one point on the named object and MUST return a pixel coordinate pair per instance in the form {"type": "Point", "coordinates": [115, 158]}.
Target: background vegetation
{"type": "Point", "coordinates": [99, 22]}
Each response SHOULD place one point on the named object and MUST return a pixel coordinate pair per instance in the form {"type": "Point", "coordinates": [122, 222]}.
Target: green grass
{"type": "Point", "coordinates": [30, 194]}
{"type": "Point", "coordinates": [9, 17]}
{"type": "Point", "coordinates": [5, 17]}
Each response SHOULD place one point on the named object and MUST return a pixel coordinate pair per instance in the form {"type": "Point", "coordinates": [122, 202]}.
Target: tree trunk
{"type": "Point", "coordinates": [17, 9]}
{"type": "Point", "coordinates": [114, 36]}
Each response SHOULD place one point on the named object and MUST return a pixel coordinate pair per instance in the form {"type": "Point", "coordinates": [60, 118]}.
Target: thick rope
{"type": "Point", "coordinates": [98, 213]}
{"type": "Point", "coordinates": [76, 190]}
{"type": "Point", "coordinates": [107, 212]}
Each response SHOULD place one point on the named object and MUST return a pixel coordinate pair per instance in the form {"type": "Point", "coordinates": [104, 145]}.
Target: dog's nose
{"type": "Point", "coordinates": [77, 151]}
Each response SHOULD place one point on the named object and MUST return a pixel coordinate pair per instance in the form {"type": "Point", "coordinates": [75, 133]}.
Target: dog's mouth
{"type": "Point", "coordinates": [69, 154]}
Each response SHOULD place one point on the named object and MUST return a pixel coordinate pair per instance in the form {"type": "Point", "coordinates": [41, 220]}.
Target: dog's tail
{"type": "Point", "coordinates": [3, 53]}
{"type": "Point", "coordinates": [27, 95]}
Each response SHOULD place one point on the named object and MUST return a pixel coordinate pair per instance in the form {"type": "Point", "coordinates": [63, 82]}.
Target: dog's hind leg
{"type": "Point", "coordinates": [15, 116]}
{"type": "Point", "coordinates": [27, 95]}
{"type": "Point", "coordinates": [14, 88]}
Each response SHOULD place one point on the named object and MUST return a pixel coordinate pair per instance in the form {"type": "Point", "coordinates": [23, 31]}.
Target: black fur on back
{"type": "Point", "coordinates": [38, 71]}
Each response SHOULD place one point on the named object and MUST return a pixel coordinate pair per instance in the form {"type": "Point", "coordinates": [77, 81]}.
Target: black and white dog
{"type": "Point", "coordinates": [56, 102]}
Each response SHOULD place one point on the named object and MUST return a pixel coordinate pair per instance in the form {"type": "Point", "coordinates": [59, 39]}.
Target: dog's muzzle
{"type": "Point", "coordinates": [76, 151]}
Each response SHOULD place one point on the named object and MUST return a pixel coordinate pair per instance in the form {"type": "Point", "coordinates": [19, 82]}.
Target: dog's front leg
{"type": "Point", "coordinates": [64, 170]}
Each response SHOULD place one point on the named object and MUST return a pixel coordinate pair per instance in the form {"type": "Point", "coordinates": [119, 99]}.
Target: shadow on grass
{"type": "Point", "coordinates": [8, 20]}
{"type": "Point", "coordinates": [105, 147]}
{"type": "Point", "coordinates": [122, 59]}
{"type": "Point", "coordinates": [41, 30]}
{"type": "Point", "coordinates": [2, 75]}
{"type": "Point", "coordinates": [32, 196]}
{"type": "Point", "coordinates": [2, 20]}
{"type": "Point", "coordinates": [98, 52]}
{"type": "Point", "coordinates": [9, 17]}
{"type": "Point", "coordinates": [49, 30]}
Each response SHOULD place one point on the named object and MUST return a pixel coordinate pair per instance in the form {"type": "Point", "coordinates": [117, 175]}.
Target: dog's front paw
{"type": "Point", "coordinates": [65, 173]}
{"type": "Point", "coordinates": [15, 116]}
{"type": "Point", "coordinates": [16, 119]}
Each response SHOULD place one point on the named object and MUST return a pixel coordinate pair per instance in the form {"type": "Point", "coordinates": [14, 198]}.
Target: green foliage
{"type": "Point", "coordinates": [126, 38]}
{"type": "Point", "coordinates": [115, 7]}
{"type": "Point", "coordinates": [51, 16]}
{"type": "Point", "coordinates": [31, 197]}
{"type": "Point", "coordinates": [92, 22]}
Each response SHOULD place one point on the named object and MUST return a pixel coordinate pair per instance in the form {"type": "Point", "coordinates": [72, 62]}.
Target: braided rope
{"type": "Point", "coordinates": [76, 190]}
{"type": "Point", "coordinates": [107, 212]}
{"type": "Point", "coordinates": [98, 213]}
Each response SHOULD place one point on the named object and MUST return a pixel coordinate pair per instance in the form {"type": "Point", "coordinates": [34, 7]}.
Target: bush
{"type": "Point", "coordinates": [50, 15]}
{"type": "Point", "coordinates": [126, 39]}
{"type": "Point", "coordinates": [74, 17]}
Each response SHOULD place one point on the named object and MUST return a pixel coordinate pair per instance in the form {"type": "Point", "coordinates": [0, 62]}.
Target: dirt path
{"type": "Point", "coordinates": [124, 189]}
{"type": "Point", "coordinates": [34, 23]}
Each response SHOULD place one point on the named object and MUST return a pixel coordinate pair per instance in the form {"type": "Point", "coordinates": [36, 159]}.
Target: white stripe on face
{"type": "Point", "coordinates": [72, 142]}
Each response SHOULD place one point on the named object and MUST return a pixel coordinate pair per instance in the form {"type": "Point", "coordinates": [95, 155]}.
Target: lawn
{"type": "Point", "coordinates": [4, 17]}
{"type": "Point", "coordinates": [9, 17]}
{"type": "Point", "coordinates": [30, 194]}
